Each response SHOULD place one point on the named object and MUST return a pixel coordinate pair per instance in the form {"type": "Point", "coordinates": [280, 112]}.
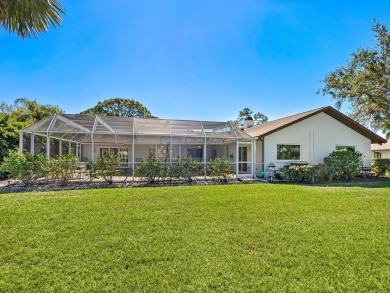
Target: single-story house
{"type": "Point", "coordinates": [381, 151]}
{"type": "Point", "coordinates": [302, 138]}
{"type": "Point", "coordinates": [309, 137]}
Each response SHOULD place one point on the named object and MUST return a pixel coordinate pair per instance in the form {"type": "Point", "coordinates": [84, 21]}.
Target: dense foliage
{"type": "Point", "coordinates": [339, 165]}
{"type": "Point", "coordinates": [106, 167]}
{"type": "Point", "coordinates": [364, 82]}
{"type": "Point", "coordinates": [380, 166]}
{"type": "Point", "coordinates": [9, 133]}
{"type": "Point", "coordinates": [185, 168]}
{"type": "Point", "coordinates": [298, 173]}
{"type": "Point", "coordinates": [24, 166]}
{"type": "Point", "coordinates": [18, 116]}
{"type": "Point", "coordinates": [120, 107]}
{"type": "Point", "coordinates": [62, 168]}
{"type": "Point", "coordinates": [31, 111]}
{"type": "Point", "coordinates": [343, 165]}
{"type": "Point", "coordinates": [28, 18]}
{"type": "Point", "coordinates": [220, 169]}
{"type": "Point", "coordinates": [247, 114]}
{"type": "Point", "coordinates": [150, 169]}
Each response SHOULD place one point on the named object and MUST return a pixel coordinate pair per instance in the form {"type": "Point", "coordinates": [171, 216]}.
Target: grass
{"type": "Point", "coordinates": [233, 238]}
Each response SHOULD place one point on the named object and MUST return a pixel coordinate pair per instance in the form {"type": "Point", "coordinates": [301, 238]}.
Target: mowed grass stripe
{"type": "Point", "coordinates": [235, 238]}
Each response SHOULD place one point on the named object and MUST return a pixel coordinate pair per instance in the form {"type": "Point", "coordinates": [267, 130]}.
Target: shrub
{"type": "Point", "coordinates": [185, 168]}
{"type": "Point", "coordinates": [166, 174]}
{"type": "Point", "coordinates": [220, 168]}
{"type": "Point", "coordinates": [62, 168]}
{"type": "Point", "coordinates": [105, 167]}
{"type": "Point", "coordinates": [24, 166]}
{"type": "Point", "coordinates": [322, 172]}
{"type": "Point", "coordinates": [150, 169]}
{"type": "Point", "coordinates": [380, 166]}
{"type": "Point", "coordinates": [343, 165]}
{"type": "Point", "coordinates": [298, 173]}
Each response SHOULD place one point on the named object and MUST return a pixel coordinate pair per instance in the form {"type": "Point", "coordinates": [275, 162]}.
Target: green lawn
{"type": "Point", "coordinates": [232, 238]}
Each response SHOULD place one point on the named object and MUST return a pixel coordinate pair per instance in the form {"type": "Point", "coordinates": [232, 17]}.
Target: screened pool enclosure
{"type": "Point", "coordinates": [135, 139]}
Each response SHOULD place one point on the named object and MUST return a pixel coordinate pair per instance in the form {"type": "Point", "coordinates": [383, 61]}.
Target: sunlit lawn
{"type": "Point", "coordinates": [257, 237]}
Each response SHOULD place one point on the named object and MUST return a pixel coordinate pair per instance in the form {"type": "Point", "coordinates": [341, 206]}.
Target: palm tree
{"type": "Point", "coordinates": [28, 18]}
{"type": "Point", "coordinates": [31, 111]}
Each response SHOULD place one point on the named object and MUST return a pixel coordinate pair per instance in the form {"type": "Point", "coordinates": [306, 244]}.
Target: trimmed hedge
{"type": "Point", "coordinates": [298, 173]}
{"type": "Point", "coordinates": [380, 166]}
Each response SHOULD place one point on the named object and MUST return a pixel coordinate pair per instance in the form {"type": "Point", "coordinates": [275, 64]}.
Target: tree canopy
{"type": "Point", "coordinates": [364, 83]}
{"type": "Point", "coordinates": [20, 115]}
{"type": "Point", "coordinates": [120, 107]}
{"type": "Point", "coordinates": [31, 111]}
{"type": "Point", "coordinates": [246, 113]}
{"type": "Point", "coordinates": [28, 18]}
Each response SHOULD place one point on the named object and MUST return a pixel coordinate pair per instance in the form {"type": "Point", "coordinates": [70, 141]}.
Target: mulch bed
{"type": "Point", "coordinates": [11, 186]}
{"type": "Point", "coordinates": [77, 185]}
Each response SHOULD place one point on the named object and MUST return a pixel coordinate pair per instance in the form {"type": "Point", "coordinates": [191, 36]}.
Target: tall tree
{"type": "Point", "coordinates": [246, 113]}
{"type": "Point", "coordinates": [31, 111]}
{"type": "Point", "coordinates": [28, 18]}
{"type": "Point", "coordinates": [20, 115]}
{"type": "Point", "coordinates": [120, 107]}
{"type": "Point", "coordinates": [364, 83]}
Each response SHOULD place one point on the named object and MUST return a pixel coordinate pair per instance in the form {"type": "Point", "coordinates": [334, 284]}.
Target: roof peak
{"type": "Point", "coordinates": [265, 129]}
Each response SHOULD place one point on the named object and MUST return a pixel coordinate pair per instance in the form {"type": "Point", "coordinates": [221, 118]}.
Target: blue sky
{"type": "Point", "coordinates": [199, 59]}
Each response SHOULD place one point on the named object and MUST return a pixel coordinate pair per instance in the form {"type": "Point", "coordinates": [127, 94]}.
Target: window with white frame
{"type": "Point", "coordinates": [290, 152]}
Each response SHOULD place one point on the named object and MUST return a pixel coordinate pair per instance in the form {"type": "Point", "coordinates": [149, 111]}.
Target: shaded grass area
{"type": "Point", "coordinates": [234, 238]}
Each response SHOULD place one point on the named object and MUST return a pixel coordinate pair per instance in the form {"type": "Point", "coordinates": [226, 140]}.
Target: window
{"type": "Point", "coordinates": [377, 155]}
{"type": "Point", "coordinates": [122, 152]}
{"type": "Point", "coordinates": [350, 148]}
{"type": "Point", "coordinates": [288, 152]}
{"type": "Point", "coordinates": [195, 153]}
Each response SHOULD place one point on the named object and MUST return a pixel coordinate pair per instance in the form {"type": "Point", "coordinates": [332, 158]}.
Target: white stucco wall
{"type": "Point", "coordinates": [318, 137]}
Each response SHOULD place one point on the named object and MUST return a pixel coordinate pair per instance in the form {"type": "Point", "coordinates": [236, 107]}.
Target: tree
{"type": "Point", "coordinates": [120, 107]}
{"type": "Point", "coordinates": [364, 83]}
{"type": "Point", "coordinates": [9, 134]}
{"type": "Point", "coordinates": [28, 18]}
{"type": "Point", "coordinates": [246, 113]}
{"type": "Point", "coordinates": [31, 111]}
{"type": "Point", "coordinates": [18, 116]}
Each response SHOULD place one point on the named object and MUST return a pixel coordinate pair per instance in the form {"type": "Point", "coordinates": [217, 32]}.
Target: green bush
{"type": "Point", "coordinates": [185, 168]}
{"type": "Point", "coordinates": [298, 173]}
{"type": "Point", "coordinates": [220, 168]}
{"type": "Point", "coordinates": [322, 172]}
{"type": "Point", "coordinates": [343, 165]}
{"type": "Point", "coordinates": [24, 166]}
{"type": "Point", "coordinates": [150, 169]}
{"type": "Point", "coordinates": [105, 167]}
{"type": "Point", "coordinates": [380, 166]}
{"type": "Point", "coordinates": [62, 168]}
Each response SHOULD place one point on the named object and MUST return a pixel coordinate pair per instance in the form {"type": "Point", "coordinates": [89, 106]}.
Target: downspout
{"type": "Point", "coordinates": [21, 141]}
{"type": "Point", "coordinates": [262, 153]}
{"type": "Point", "coordinates": [32, 144]}
{"type": "Point", "coordinates": [313, 146]}
{"type": "Point", "coordinates": [133, 149]}
{"type": "Point", "coordinates": [309, 147]}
